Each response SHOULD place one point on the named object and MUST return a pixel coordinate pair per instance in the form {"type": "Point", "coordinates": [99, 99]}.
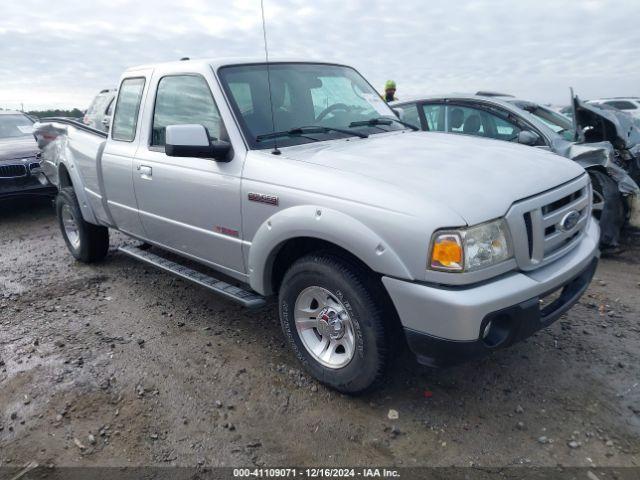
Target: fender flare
{"type": "Point", "coordinates": [309, 221]}
{"type": "Point", "coordinates": [78, 186]}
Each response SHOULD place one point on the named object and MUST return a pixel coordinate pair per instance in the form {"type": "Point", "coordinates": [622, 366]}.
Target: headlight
{"type": "Point", "coordinates": [470, 248]}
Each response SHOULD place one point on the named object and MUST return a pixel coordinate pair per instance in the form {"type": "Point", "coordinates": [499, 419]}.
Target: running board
{"type": "Point", "coordinates": [244, 297]}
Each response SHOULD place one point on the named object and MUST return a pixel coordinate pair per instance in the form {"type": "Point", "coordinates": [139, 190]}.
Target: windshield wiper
{"type": "Point", "coordinates": [308, 130]}
{"type": "Point", "coordinates": [373, 122]}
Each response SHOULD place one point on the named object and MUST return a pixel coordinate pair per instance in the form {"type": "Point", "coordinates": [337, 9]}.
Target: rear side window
{"type": "Point", "coordinates": [125, 120]}
{"type": "Point", "coordinates": [181, 100]}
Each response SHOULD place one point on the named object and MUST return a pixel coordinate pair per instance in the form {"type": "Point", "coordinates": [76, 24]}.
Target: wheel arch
{"type": "Point", "coordinates": [68, 176]}
{"type": "Point", "coordinates": [294, 232]}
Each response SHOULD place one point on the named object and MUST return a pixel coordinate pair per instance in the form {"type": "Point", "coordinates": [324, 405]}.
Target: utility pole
{"type": "Point", "coordinates": [22, 107]}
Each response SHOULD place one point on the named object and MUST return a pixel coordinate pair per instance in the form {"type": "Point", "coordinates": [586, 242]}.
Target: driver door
{"type": "Point", "coordinates": [189, 205]}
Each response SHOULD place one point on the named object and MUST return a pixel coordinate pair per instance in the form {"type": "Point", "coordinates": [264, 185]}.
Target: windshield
{"type": "Point", "coordinates": [557, 122]}
{"type": "Point", "coordinates": [303, 95]}
{"type": "Point", "coordinates": [13, 126]}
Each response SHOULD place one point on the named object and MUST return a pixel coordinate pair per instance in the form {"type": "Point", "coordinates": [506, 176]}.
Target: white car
{"type": "Point", "coordinates": [630, 105]}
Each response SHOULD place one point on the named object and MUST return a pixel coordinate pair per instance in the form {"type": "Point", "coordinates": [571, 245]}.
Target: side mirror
{"type": "Point", "coordinates": [106, 121]}
{"type": "Point", "coordinates": [527, 137]}
{"type": "Point", "coordinates": [399, 112]}
{"type": "Point", "coordinates": [193, 141]}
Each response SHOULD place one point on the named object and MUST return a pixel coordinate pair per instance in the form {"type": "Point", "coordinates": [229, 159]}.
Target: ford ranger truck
{"type": "Point", "coordinates": [294, 180]}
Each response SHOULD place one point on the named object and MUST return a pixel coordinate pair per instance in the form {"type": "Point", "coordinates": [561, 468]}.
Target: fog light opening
{"type": "Point", "coordinates": [496, 331]}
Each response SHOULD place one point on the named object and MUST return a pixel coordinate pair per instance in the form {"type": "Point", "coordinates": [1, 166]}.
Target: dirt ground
{"type": "Point", "coordinates": [118, 364]}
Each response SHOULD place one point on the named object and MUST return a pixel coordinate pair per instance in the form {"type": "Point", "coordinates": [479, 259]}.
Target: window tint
{"type": "Point", "coordinates": [411, 114]}
{"type": "Point", "coordinates": [475, 121]}
{"type": "Point", "coordinates": [184, 99]}
{"type": "Point", "coordinates": [434, 115]}
{"type": "Point", "coordinates": [621, 105]}
{"type": "Point", "coordinates": [127, 109]}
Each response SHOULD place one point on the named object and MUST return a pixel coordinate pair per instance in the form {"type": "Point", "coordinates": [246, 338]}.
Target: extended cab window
{"type": "Point", "coordinates": [182, 100]}
{"type": "Point", "coordinates": [125, 120]}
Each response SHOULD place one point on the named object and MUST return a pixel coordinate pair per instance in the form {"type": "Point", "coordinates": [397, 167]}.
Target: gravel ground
{"type": "Point", "coordinates": [118, 364]}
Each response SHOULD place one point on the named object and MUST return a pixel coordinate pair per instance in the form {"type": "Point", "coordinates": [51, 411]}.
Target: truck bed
{"type": "Point", "coordinates": [79, 148]}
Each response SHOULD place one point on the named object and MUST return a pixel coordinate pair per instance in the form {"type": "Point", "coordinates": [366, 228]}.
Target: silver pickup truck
{"type": "Point", "coordinates": [294, 180]}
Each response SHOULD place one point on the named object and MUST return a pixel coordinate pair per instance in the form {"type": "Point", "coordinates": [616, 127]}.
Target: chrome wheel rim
{"type": "Point", "coordinates": [71, 230]}
{"type": "Point", "coordinates": [597, 204]}
{"type": "Point", "coordinates": [325, 327]}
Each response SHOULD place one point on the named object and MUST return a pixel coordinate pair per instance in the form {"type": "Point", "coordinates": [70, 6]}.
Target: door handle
{"type": "Point", "coordinates": [145, 171]}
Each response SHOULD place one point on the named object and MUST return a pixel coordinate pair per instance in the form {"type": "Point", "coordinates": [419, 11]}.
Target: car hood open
{"type": "Point", "coordinates": [478, 178]}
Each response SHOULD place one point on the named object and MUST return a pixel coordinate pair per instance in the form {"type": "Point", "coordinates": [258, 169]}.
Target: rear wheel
{"type": "Point", "coordinates": [332, 314]}
{"type": "Point", "coordinates": [608, 208]}
{"type": "Point", "coordinates": [86, 242]}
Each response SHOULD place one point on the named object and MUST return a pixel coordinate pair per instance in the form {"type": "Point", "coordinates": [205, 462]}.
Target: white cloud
{"type": "Point", "coordinates": [533, 48]}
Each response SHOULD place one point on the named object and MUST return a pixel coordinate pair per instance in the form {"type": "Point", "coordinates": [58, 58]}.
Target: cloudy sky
{"type": "Point", "coordinates": [60, 53]}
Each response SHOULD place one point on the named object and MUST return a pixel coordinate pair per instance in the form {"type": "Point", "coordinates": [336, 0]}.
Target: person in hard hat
{"type": "Point", "coordinates": [390, 91]}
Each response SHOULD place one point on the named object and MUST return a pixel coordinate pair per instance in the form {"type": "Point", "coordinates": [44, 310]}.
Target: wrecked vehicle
{"type": "Point", "coordinates": [503, 117]}
{"type": "Point", "coordinates": [295, 180]}
{"type": "Point", "coordinates": [604, 123]}
{"type": "Point", "coordinates": [20, 163]}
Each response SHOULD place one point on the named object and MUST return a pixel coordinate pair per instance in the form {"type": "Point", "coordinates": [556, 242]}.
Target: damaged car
{"type": "Point", "coordinates": [596, 144]}
{"type": "Point", "coordinates": [21, 172]}
{"type": "Point", "coordinates": [601, 122]}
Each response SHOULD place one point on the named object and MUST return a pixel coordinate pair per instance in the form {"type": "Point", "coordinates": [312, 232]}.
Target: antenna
{"type": "Point", "coordinates": [275, 150]}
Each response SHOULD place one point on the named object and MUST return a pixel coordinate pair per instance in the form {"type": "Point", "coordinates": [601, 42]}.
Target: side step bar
{"type": "Point", "coordinates": [244, 297]}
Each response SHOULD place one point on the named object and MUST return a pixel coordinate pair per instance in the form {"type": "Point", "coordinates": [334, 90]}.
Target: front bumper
{"type": "Point", "coordinates": [34, 184]}
{"type": "Point", "coordinates": [445, 325]}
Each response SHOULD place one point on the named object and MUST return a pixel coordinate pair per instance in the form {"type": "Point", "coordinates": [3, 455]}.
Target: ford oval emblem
{"type": "Point", "coordinates": [570, 220]}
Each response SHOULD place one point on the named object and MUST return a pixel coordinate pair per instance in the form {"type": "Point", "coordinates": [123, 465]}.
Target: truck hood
{"type": "Point", "coordinates": [21, 147]}
{"type": "Point", "coordinates": [477, 178]}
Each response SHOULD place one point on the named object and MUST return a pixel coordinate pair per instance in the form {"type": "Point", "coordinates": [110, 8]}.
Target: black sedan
{"type": "Point", "coordinates": [20, 163]}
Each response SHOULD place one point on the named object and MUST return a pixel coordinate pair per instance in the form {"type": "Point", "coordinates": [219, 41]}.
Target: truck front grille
{"type": "Point", "coordinates": [13, 171]}
{"type": "Point", "coordinates": [547, 226]}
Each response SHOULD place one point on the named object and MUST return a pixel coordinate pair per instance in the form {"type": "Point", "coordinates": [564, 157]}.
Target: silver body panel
{"type": "Point", "coordinates": [381, 198]}
{"type": "Point", "coordinates": [456, 314]}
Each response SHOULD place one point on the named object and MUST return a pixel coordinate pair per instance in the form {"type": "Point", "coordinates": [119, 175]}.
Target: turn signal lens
{"type": "Point", "coordinates": [447, 253]}
{"type": "Point", "coordinates": [471, 248]}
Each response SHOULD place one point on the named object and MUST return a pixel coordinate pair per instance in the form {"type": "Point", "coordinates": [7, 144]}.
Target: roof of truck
{"type": "Point", "coordinates": [220, 62]}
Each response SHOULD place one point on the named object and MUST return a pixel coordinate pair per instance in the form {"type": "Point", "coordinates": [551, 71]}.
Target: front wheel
{"type": "Point", "coordinates": [332, 314]}
{"type": "Point", "coordinates": [86, 242]}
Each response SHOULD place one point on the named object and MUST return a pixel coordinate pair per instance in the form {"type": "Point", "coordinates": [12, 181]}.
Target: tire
{"type": "Point", "coordinates": [87, 242]}
{"type": "Point", "coordinates": [612, 213]}
{"type": "Point", "coordinates": [356, 299]}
